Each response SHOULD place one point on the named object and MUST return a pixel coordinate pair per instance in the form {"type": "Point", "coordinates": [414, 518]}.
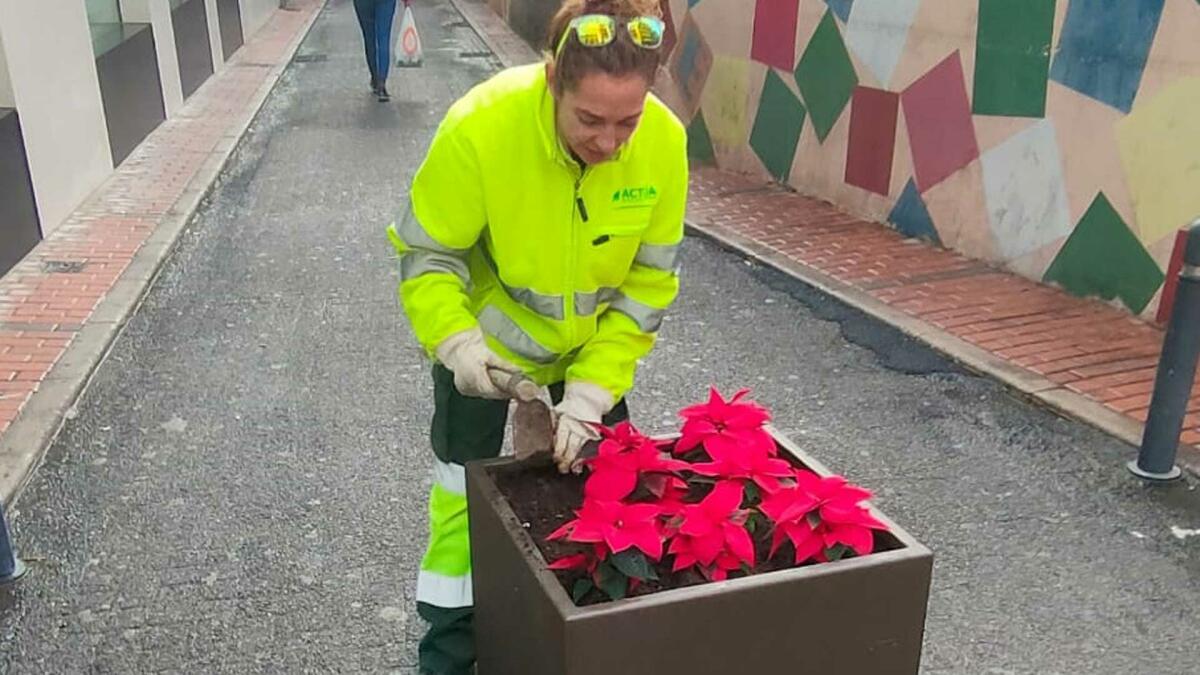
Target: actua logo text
{"type": "Point", "coordinates": [634, 196]}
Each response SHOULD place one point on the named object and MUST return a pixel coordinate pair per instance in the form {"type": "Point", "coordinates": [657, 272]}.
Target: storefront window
{"type": "Point", "coordinates": [103, 11]}
{"type": "Point", "coordinates": [104, 18]}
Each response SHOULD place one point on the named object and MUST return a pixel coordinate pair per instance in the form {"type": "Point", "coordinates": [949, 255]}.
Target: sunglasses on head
{"type": "Point", "coordinates": [598, 30]}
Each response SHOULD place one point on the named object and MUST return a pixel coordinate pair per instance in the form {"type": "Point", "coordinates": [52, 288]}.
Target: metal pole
{"type": "Point", "coordinates": [11, 567]}
{"type": "Point", "coordinates": [1176, 372]}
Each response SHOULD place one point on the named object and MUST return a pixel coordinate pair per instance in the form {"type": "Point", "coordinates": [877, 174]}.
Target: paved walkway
{"type": "Point", "coordinates": [61, 306]}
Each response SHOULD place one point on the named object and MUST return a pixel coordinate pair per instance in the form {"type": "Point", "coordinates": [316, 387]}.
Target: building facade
{"type": "Point", "coordinates": [83, 82]}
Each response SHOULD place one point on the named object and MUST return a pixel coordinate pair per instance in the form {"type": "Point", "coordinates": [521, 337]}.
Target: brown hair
{"type": "Point", "coordinates": [620, 57]}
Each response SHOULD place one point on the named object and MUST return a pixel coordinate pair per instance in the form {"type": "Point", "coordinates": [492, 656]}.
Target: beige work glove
{"type": "Point", "coordinates": [467, 355]}
{"type": "Point", "coordinates": [583, 405]}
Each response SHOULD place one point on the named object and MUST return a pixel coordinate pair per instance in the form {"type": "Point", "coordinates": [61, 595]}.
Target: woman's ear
{"type": "Point", "coordinates": [550, 82]}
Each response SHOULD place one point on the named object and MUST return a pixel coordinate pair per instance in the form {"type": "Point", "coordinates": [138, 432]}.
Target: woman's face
{"type": "Point", "coordinates": [600, 114]}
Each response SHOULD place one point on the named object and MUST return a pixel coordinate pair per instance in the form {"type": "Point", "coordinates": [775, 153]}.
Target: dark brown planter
{"type": "Point", "coordinates": [861, 615]}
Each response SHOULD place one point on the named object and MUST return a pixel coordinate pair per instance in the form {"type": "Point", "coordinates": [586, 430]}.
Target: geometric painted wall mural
{"type": "Point", "coordinates": [825, 76]}
{"type": "Point", "coordinates": [1104, 46]}
{"type": "Point", "coordinates": [911, 216]}
{"type": "Point", "coordinates": [1012, 57]}
{"type": "Point", "coordinates": [877, 32]}
{"type": "Point", "coordinates": [940, 129]}
{"type": "Point", "coordinates": [841, 8]}
{"type": "Point", "coordinates": [725, 100]}
{"type": "Point", "coordinates": [774, 36]}
{"type": "Point", "coordinates": [1026, 196]}
{"type": "Point", "coordinates": [690, 65]}
{"type": "Point", "coordinates": [1171, 283]}
{"type": "Point", "coordinates": [1056, 137]}
{"type": "Point", "coordinates": [700, 146]}
{"type": "Point", "coordinates": [1160, 154]}
{"type": "Point", "coordinates": [669, 38]}
{"type": "Point", "coordinates": [872, 139]}
{"type": "Point", "coordinates": [1102, 258]}
{"type": "Point", "coordinates": [777, 127]}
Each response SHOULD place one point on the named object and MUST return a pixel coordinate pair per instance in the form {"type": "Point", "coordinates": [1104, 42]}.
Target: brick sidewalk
{"type": "Point", "coordinates": [49, 297]}
{"type": "Point", "coordinates": [1082, 346]}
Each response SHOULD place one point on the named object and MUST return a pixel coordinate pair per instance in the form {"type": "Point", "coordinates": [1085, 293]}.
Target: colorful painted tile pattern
{"type": "Point", "coordinates": [1019, 195]}
{"type": "Point", "coordinates": [1012, 57]}
{"type": "Point", "coordinates": [940, 131]}
{"type": "Point", "coordinates": [826, 76]}
{"type": "Point", "coordinates": [873, 115]}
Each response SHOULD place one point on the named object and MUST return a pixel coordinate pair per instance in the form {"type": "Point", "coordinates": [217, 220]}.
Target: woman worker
{"type": "Point", "coordinates": [542, 235]}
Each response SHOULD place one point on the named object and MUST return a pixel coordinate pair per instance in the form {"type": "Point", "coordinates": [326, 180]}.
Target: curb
{"type": "Point", "coordinates": [24, 444]}
{"type": "Point", "coordinates": [1027, 385]}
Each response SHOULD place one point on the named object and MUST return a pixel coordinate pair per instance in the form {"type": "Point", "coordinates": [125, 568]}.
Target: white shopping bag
{"type": "Point", "coordinates": [408, 51]}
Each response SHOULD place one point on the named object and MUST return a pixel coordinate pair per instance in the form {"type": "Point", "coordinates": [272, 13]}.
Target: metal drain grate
{"type": "Point", "coordinates": [63, 266]}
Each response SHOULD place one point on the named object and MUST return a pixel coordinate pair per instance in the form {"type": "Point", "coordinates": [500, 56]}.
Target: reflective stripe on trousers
{"type": "Point", "coordinates": [445, 576]}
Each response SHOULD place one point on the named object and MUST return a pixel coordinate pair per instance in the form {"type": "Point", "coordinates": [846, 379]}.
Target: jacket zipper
{"type": "Point", "coordinates": [569, 301]}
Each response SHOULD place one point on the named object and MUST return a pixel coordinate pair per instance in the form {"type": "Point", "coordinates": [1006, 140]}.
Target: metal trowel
{"type": "Point", "coordinates": [532, 423]}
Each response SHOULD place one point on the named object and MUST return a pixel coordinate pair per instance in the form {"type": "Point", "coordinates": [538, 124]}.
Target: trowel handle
{"type": "Point", "coordinates": [518, 385]}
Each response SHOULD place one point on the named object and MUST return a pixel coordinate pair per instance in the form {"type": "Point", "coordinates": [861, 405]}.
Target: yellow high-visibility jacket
{"type": "Point", "coordinates": [567, 271]}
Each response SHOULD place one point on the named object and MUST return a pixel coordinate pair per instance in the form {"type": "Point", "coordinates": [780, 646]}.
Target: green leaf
{"type": "Point", "coordinates": [836, 552]}
{"type": "Point", "coordinates": [813, 518]}
{"type": "Point", "coordinates": [632, 563]}
{"type": "Point", "coordinates": [757, 522]}
{"type": "Point", "coordinates": [752, 492]}
{"type": "Point", "coordinates": [582, 588]}
{"type": "Point", "coordinates": [613, 583]}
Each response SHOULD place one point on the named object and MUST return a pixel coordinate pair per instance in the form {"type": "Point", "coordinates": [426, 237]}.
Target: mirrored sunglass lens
{"type": "Point", "coordinates": [646, 31]}
{"type": "Point", "coordinates": [594, 33]}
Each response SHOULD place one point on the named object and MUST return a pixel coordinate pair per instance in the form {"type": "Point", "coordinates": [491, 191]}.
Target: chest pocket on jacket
{"type": "Point", "coordinates": [627, 222]}
{"type": "Point", "coordinates": [612, 242]}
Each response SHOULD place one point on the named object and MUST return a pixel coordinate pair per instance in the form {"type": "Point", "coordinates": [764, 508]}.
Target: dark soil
{"type": "Point", "coordinates": [543, 500]}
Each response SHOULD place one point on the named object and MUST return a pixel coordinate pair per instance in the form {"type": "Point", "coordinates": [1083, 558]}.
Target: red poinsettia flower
{"type": "Point", "coordinates": [818, 513]}
{"type": "Point", "coordinates": [624, 455]}
{"type": "Point", "coordinates": [577, 561]}
{"type": "Point", "coordinates": [581, 561]}
{"type": "Point", "coordinates": [850, 526]}
{"type": "Point", "coordinates": [733, 458]}
{"type": "Point", "coordinates": [719, 418]}
{"type": "Point", "coordinates": [713, 532]}
{"type": "Point", "coordinates": [618, 526]}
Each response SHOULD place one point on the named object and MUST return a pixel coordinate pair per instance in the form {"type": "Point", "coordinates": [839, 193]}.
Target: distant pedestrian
{"type": "Point", "coordinates": [375, 18]}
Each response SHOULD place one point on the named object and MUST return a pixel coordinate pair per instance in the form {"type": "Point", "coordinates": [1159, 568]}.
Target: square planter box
{"type": "Point", "coordinates": [855, 616]}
